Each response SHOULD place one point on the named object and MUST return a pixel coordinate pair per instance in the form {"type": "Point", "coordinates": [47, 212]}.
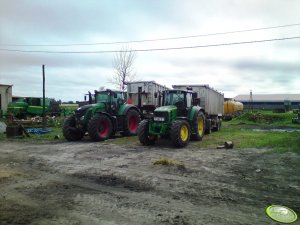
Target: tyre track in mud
{"type": "Point", "coordinates": [92, 183]}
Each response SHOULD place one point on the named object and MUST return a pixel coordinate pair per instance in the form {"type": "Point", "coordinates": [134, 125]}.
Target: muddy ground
{"type": "Point", "coordinates": [105, 183]}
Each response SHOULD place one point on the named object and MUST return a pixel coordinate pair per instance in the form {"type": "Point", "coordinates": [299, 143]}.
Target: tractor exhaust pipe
{"type": "Point", "coordinates": [139, 97]}
{"type": "Point", "coordinates": [90, 98]}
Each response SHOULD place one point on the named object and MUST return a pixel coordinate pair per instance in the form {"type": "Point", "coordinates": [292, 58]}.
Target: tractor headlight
{"type": "Point", "coordinates": [82, 118]}
{"type": "Point", "coordinates": [159, 119]}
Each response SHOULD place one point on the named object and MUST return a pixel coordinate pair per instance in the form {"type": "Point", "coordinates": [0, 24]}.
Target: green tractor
{"type": "Point", "coordinates": [179, 118]}
{"type": "Point", "coordinates": [108, 115]}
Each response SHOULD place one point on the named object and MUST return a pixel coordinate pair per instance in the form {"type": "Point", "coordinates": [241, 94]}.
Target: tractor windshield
{"type": "Point", "coordinates": [102, 97]}
{"type": "Point", "coordinates": [173, 97]}
{"type": "Point", "coordinates": [107, 96]}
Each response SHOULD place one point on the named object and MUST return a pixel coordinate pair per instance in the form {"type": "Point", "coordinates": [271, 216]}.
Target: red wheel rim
{"type": "Point", "coordinates": [133, 124]}
{"type": "Point", "coordinates": [103, 128]}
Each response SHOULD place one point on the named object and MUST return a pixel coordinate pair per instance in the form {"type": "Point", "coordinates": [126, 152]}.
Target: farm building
{"type": "Point", "coordinates": [269, 101]}
{"type": "Point", "coordinates": [5, 97]}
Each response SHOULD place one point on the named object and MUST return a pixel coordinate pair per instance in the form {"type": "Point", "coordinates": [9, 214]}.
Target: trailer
{"type": "Point", "coordinates": [211, 101]}
{"type": "Point", "coordinates": [231, 109]}
{"type": "Point", "coordinates": [146, 95]}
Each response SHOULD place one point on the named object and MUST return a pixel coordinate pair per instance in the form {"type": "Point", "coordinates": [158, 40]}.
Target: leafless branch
{"type": "Point", "coordinates": [123, 68]}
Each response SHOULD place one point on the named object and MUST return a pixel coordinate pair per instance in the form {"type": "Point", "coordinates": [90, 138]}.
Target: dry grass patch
{"type": "Point", "coordinates": [169, 162]}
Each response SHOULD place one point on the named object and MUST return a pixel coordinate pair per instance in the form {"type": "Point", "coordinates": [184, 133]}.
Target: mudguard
{"type": "Point", "coordinates": [194, 110]}
{"type": "Point", "coordinates": [124, 109]}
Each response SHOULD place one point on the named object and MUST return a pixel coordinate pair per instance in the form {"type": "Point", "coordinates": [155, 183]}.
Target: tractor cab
{"type": "Point", "coordinates": [183, 100]}
{"type": "Point", "coordinates": [112, 99]}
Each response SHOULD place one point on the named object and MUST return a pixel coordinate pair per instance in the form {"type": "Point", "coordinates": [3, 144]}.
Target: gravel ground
{"type": "Point", "coordinates": [105, 183]}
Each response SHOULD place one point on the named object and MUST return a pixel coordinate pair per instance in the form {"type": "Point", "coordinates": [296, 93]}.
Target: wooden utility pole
{"type": "Point", "coordinates": [251, 101]}
{"type": "Point", "coordinates": [44, 114]}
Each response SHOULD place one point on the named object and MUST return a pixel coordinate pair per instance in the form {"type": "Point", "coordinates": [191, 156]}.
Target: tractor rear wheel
{"type": "Point", "coordinates": [143, 134]}
{"type": "Point", "coordinates": [198, 126]}
{"type": "Point", "coordinates": [180, 133]}
{"type": "Point", "coordinates": [70, 132]}
{"type": "Point", "coordinates": [131, 122]}
{"type": "Point", "coordinates": [100, 127]}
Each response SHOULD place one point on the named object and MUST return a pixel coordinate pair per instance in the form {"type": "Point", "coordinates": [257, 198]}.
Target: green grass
{"type": "Point", "coordinates": [247, 137]}
{"type": "Point", "coordinates": [53, 124]}
{"type": "Point", "coordinates": [265, 118]}
{"type": "Point", "coordinates": [120, 140]}
{"type": "Point", "coordinates": [56, 132]}
{"type": "Point", "coordinates": [239, 130]}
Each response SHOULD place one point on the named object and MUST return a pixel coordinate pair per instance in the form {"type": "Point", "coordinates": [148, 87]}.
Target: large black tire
{"type": "Point", "coordinates": [180, 133]}
{"type": "Point", "coordinates": [218, 127]}
{"type": "Point", "coordinates": [131, 122]}
{"type": "Point", "coordinates": [198, 126]}
{"type": "Point", "coordinates": [70, 132]}
{"type": "Point", "coordinates": [143, 134]}
{"type": "Point", "coordinates": [100, 127]}
{"type": "Point", "coordinates": [208, 126]}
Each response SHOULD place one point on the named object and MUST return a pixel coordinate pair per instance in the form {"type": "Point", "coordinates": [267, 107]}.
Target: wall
{"type": "Point", "coordinates": [269, 105]}
{"type": "Point", "coordinates": [6, 96]}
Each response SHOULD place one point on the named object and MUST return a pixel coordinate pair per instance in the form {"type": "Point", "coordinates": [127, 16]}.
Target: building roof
{"type": "Point", "coordinates": [146, 82]}
{"type": "Point", "coordinates": [6, 85]}
{"type": "Point", "coordinates": [268, 97]}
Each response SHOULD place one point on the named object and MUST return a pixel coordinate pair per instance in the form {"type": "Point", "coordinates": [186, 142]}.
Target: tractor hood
{"type": "Point", "coordinates": [168, 108]}
{"type": "Point", "coordinates": [83, 109]}
{"type": "Point", "coordinates": [164, 113]}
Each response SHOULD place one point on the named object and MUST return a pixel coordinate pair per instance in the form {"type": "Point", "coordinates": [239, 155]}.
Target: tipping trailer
{"type": "Point", "coordinates": [146, 95]}
{"type": "Point", "coordinates": [211, 101]}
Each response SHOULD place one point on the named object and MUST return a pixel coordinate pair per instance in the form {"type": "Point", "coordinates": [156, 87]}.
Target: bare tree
{"type": "Point", "coordinates": [123, 68]}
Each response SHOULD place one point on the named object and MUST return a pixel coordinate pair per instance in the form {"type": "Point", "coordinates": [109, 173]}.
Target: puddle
{"type": "Point", "coordinates": [277, 130]}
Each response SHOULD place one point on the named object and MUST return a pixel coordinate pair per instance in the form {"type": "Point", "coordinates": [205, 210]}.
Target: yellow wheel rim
{"type": "Point", "coordinates": [200, 126]}
{"type": "Point", "coordinates": [184, 133]}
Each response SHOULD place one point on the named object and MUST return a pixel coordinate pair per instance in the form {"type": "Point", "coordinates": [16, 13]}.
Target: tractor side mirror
{"type": "Point", "coordinates": [115, 95]}
{"type": "Point", "coordinates": [194, 95]}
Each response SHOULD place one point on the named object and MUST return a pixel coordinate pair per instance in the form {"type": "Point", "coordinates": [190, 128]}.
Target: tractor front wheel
{"type": "Point", "coordinates": [70, 132]}
{"type": "Point", "coordinates": [180, 133]}
{"type": "Point", "coordinates": [131, 122]}
{"type": "Point", "coordinates": [100, 127]}
{"type": "Point", "coordinates": [143, 133]}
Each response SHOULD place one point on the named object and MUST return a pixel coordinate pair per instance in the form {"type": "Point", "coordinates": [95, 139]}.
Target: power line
{"type": "Point", "coordinates": [152, 40]}
{"type": "Point", "coordinates": [151, 49]}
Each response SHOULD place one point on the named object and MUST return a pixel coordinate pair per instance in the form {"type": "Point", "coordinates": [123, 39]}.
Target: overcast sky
{"type": "Point", "coordinates": [266, 67]}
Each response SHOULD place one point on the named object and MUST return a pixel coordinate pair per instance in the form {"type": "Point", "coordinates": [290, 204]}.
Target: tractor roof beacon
{"type": "Point", "coordinates": [180, 118]}
{"type": "Point", "coordinates": [107, 115]}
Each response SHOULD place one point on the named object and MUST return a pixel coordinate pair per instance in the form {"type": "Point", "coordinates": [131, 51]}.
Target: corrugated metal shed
{"type": "Point", "coordinates": [268, 97]}
{"type": "Point", "coordinates": [269, 101]}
